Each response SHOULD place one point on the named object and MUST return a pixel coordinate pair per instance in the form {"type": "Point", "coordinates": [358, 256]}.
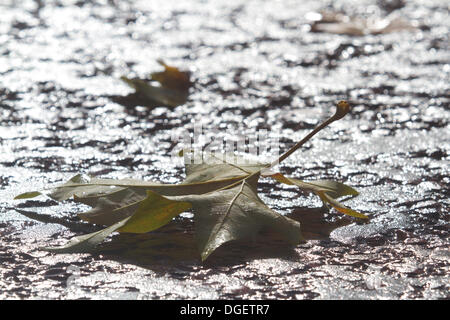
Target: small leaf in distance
{"type": "Point", "coordinates": [171, 89]}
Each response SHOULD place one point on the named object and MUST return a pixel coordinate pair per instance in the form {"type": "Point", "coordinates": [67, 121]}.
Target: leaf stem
{"type": "Point", "coordinates": [342, 108]}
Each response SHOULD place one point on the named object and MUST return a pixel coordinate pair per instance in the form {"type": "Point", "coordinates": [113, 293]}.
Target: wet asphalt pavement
{"type": "Point", "coordinates": [256, 66]}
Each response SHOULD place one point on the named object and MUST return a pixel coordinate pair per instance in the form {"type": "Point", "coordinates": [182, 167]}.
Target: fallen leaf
{"type": "Point", "coordinates": [222, 195]}
{"type": "Point", "coordinates": [338, 23]}
{"type": "Point", "coordinates": [213, 167]}
{"type": "Point", "coordinates": [152, 213]}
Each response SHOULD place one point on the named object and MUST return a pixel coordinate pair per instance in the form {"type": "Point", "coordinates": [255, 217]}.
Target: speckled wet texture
{"type": "Point", "coordinates": [256, 65]}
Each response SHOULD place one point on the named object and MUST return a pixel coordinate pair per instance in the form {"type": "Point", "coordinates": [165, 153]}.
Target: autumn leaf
{"type": "Point", "coordinates": [222, 195]}
{"type": "Point", "coordinates": [327, 190]}
{"type": "Point", "coordinates": [27, 195]}
{"type": "Point", "coordinates": [234, 214]}
{"type": "Point", "coordinates": [338, 23]}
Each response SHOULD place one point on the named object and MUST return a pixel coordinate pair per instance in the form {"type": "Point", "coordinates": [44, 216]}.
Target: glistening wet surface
{"type": "Point", "coordinates": [256, 66]}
